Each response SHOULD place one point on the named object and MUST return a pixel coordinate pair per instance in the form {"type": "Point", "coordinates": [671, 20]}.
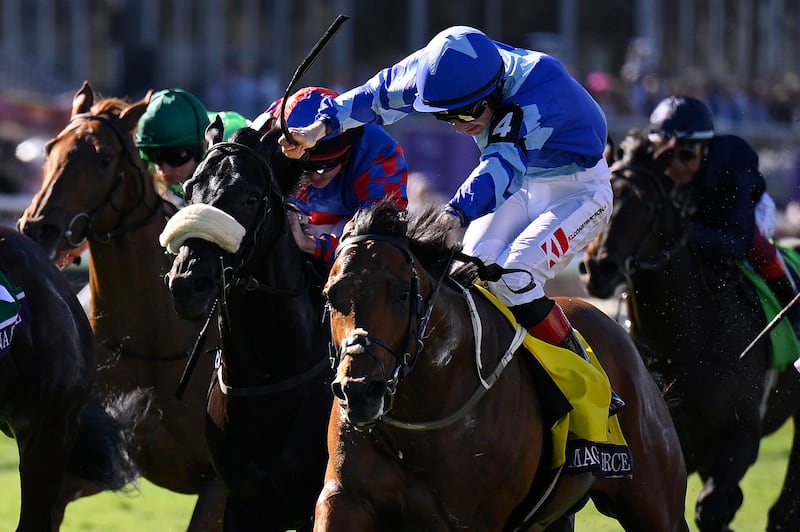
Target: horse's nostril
{"type": "Point", "coordinates": [375, 390]}
{"type": "Point", "coordinates": [338, 392]}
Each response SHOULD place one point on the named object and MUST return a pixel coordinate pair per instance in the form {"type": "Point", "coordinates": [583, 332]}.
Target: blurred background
{"type": "Point", "coordinates": [740, 56]}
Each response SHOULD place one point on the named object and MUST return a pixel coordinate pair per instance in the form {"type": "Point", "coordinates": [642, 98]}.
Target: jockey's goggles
{"type": "Point", "coordinates": [468, 113]}
{"type": "Point", "coordinates": [172, 156]}
{"type": "Point", "coordinates": [321, 167]}
{"type": "Point", "coordinates": [688, 152]}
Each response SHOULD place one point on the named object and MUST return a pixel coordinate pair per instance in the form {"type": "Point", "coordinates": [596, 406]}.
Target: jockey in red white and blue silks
{"type": "Point", "coordinates": [372, 167]}
{"type": "Point", "coordinates": [540, 192]}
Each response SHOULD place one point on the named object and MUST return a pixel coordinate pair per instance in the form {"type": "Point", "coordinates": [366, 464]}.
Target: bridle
{"type": "Point", "coordinates": [126, 142]}
{"type": "Point", "coordinates": [418, 318]}
{"type": "Point", "coordinates": [232, 266]}
{"type": "Point", "coordinates": [419, 314]}
{"type": "Point", "coordinates": [633, 263]}
{"type": "Point", "coordinates": [255, 237]}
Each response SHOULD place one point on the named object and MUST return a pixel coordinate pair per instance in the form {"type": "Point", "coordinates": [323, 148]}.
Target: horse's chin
{"type": "Point", "coordinates": [361, 418]}
{"type": "Point", "coordinates": [191, 311]}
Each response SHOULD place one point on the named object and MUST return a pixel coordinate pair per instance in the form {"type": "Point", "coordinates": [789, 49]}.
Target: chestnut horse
{"type": "Point", "coordinates": [96, 188]}
{"type": "Point", "coordinates": [269, 403]}
{"type": "Point", "coordinates": [696, 321]}
{"type": "Point", "coordinates": [64, 434]}
{"type": "Point", "coordinates": [419, 441]}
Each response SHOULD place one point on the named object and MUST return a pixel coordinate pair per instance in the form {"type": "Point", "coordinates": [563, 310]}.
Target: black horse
{"type": "Point", "coordinates": [64, 435]}
{"type": "Point", "coordinates": [697, 321]}
{"type": "Point", "coordinates": [269, 402]}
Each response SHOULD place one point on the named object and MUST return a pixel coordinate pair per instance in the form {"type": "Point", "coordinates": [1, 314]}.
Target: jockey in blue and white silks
{"type": "Point", "coordinates": [541, 189]}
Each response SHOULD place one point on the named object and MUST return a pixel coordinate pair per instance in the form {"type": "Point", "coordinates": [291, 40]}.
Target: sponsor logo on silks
{"type": "Point", "coordinates": [590, 219]}
{"type": "Point", "coordinates": [602, 459]}
{"type": "Point", "coordinates": [555, 248]}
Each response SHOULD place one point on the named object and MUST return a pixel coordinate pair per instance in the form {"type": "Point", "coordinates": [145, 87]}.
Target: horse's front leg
{"type": "Point", "coordinates": [721, 495]}
{"type": "Point", "coordinates": [338, 511]}
{"type": "Point", "coordinates": [785, 513]}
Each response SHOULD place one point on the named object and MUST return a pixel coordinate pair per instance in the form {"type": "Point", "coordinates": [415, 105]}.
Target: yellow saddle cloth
{"type": "Point", "coordinates": [585, 438]}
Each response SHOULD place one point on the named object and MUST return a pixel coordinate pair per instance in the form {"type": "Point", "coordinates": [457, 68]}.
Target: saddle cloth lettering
{"type": "Point", "coordinates": [11, 312]}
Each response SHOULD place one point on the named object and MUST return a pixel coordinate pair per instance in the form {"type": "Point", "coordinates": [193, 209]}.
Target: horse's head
{"type": "Point", "coordinates": [94, 182]}
{"type": "Point", "coordinates": [234, 217]}
{"type": "Point", "coordinates": [645, 227]}
{"type": "Point", "coordinates": [380, 300]}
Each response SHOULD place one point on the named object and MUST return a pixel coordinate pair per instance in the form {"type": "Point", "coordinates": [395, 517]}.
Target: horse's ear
{"type": "Point", "coordinates": [83, 99]}
{"type": "Point", "coordinates": [215, 131]}
{"type": "Point", "coordinates": [131, 114]}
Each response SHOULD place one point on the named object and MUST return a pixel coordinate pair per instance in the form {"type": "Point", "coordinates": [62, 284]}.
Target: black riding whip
{"type": "Point", "coordinates": [771, 325]}
{"type": "Point", "coordinates": [304, 65]}
{"type": "Point", "coordinates": [195, 355]}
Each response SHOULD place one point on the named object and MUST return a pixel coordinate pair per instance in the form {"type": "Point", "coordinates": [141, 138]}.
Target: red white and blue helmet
{"type": "Point", "coordinates": [301, 111]}
{"type": "Point", "coordinates": [681, 117]}
{"type": "Point", "coordinates": [458, 67]}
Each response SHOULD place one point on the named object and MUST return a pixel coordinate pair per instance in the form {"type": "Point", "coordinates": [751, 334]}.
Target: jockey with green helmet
{"type": "Point", "coordinates": [540, 192]}
{"type": "Point", "coordinates": [171, 136]}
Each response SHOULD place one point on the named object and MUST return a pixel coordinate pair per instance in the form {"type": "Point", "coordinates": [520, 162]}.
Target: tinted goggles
{"type": "Point", "coordinates": [468, 113]}
{"type": "Point", "coordinates": [688, 152]}
{"type": "Point", "coordinates": [321, 167]}
{"type": "Point", "coordinates": [173, 156]}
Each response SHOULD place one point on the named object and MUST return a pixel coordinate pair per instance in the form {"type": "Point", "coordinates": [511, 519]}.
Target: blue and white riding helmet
{"type": "Point", "coordinates": [459, 66]}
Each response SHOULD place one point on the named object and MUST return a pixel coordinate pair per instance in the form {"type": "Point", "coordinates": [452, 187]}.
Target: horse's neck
{"type": "Point", "coordinates": [284, 333]}
{"type": "Point", "coordinates": [127, 287]}
{"type": "Point", "coordinates": [667, 305]}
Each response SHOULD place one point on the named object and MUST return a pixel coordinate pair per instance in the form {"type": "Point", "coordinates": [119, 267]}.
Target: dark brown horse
{"type": "Point", "coordinates": [433, 431]}
{"type": "Point", "coordinates": [696, 321]}
{"type": "Point", "coordinates": [96, 188]}
{"type": "Point", "coordinates": [64, 434]}
{"type": "Point", "coordinates": [269, 403]}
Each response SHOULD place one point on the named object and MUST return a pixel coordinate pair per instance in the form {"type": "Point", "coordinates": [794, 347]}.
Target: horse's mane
{"type": "Point", "coordinates": [425, 232]}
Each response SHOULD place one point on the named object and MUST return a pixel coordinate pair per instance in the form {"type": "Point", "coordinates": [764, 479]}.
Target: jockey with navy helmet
{"type": "Point", "coordinates": [718, 179]}
{"type": "Point", "coordinates": [342, 173]}
{"type": "Point", "coordinates": [540, 191]}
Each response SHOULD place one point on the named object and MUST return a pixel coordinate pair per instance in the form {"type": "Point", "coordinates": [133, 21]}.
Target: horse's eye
{"type": "Point", "coordinates": [104, 158]}
{"type": "Point", "coordinates": [338, 298]}
{"type": "Point", "coordinates": [252, 201]}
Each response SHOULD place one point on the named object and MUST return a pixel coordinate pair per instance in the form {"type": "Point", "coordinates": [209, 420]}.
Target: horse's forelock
{"type": "Point", "coordinates": [109, 105]}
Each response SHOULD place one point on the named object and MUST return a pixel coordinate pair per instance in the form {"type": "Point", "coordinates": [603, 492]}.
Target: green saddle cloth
{"type": "Point", "coordinates": [11, 300]}
{"type": "Point", "coordinates": [785, 347]}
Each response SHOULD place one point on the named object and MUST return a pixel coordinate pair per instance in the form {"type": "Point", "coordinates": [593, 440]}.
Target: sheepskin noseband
{"type": "Point", "coordinates": [199, 220]}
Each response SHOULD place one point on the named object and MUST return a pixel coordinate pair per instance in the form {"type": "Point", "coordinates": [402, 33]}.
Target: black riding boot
{"type": "Point", "coordinates": [572, 343]}
{"type": "Point", "coordinates": [784, 290]}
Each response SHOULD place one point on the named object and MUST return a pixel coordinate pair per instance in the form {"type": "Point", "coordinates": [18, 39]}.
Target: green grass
{"type": "Point", "coordinates": [153, 508]}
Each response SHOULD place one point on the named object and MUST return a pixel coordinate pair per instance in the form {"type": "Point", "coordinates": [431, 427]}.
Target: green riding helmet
{"type": "Point", "coordinates": [231, 122]}
{"type": "Point", "coordinates": [174, 117]}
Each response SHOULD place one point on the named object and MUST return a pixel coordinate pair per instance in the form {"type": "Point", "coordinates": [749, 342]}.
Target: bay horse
{"type": "Point", "coordinates": [269, 401]}
{"type": "Point", "coordinates": [64, 433]}
{"type": "Point", "coordinates": [96, 188]}
{"type": "Point", "coordinates": [414, 445]}
{"type": "Point", "coordinates": [696, 322]}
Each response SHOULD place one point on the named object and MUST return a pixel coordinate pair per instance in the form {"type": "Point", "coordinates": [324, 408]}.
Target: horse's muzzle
{"type": "Point", "coordinates": [361, 399]}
